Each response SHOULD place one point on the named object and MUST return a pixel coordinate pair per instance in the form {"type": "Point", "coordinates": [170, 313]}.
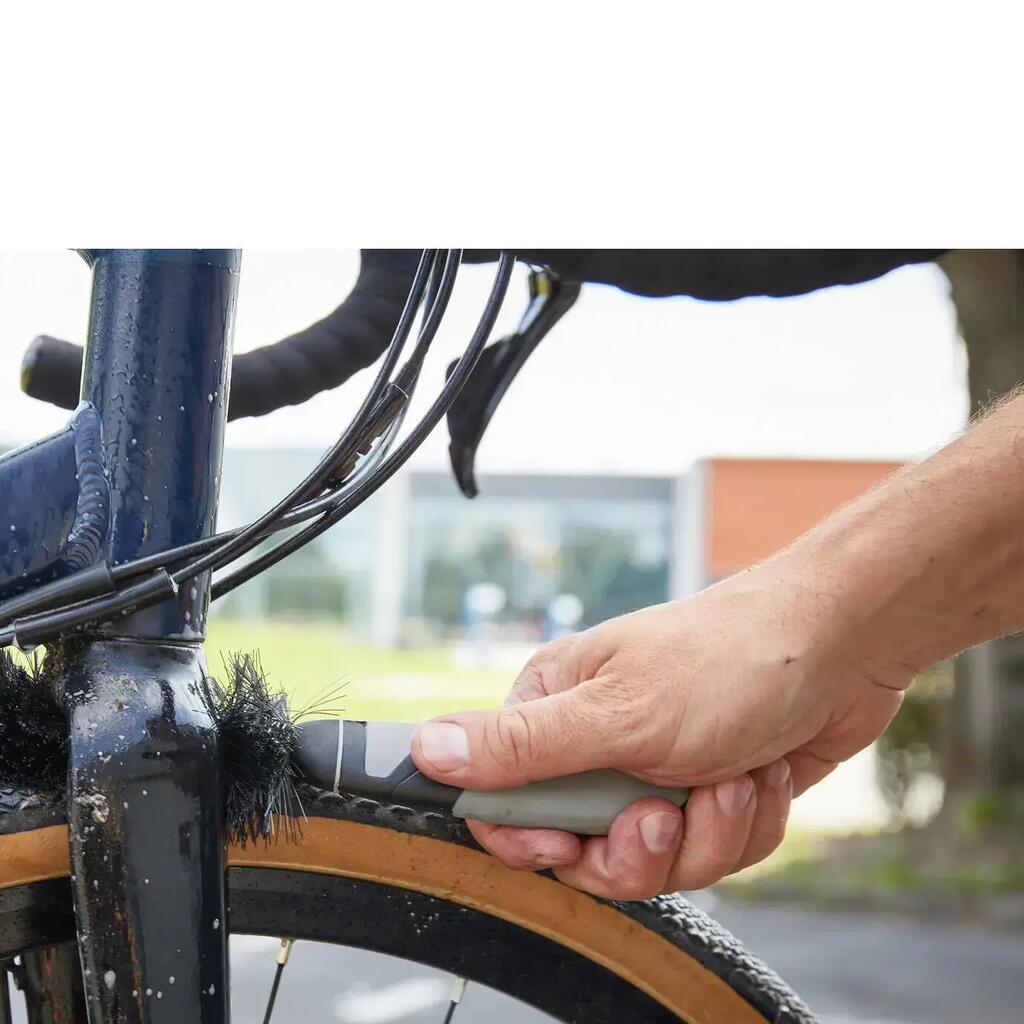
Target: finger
{"type": "Point", "coordinates": [808, 770]}
{"type": "Point", "coordinates": [526, 849]}
{"type": "Point", "coordinates": [716, 827]}
{"type": "Point", "coordinates": [633, 861]}
{"type": "Point", "coordinates": [537, 739]}
{"type": "Point", "coordinates": [554, 668]}
{"type": "Point", "coordinates": [774, 791]}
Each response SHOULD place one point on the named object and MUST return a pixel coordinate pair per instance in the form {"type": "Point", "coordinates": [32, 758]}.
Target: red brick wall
{"type": "Point", "coordinates": [756, 506]}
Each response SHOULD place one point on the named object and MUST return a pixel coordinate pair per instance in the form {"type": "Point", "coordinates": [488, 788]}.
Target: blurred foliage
{"type": "Point", "coordinates": [965, 860]}
{"type": "Point", "coordinates": [909, 750]}
{"type": "Point", "coordinates": [987, 813]}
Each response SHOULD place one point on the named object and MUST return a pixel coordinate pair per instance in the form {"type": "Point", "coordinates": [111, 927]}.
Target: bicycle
{"type": "Point", "coordinates": [121, 861]}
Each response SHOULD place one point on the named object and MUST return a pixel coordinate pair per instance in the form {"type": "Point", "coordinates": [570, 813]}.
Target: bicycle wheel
{"type": "Point", "coordinates": [413, 884]}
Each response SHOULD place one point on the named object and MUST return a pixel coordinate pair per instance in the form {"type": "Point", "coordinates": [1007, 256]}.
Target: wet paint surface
{"type": "Point", "coordinates": [156, 369]}
{"type": "Point", "coordinates": [145, 793]}
{"type": "Point", "coordinates": [144, 813]}
{"type": "Point", "coordinates": [38, 501]}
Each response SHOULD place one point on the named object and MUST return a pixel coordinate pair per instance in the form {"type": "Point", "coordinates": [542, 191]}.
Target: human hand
{"type": "Point", "coordinates": [742, 693]}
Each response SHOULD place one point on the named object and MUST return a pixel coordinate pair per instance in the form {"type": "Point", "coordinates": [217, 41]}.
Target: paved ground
{"type": "Point", "coordinates": [855, 969]}
{"type": "Point", "coordinates": [852, 969]}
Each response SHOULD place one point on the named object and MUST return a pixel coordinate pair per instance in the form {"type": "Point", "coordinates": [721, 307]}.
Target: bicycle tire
{"type": "Point", "coordinates": [413, 884]}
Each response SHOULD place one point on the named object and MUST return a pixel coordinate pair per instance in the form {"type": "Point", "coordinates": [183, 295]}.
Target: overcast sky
{"type": "Point", "coordinates": [622, 384]}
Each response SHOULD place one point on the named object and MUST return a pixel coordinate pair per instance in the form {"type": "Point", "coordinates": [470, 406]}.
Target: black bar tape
{"type": "Point", "coordinates": [716, 274]}
{"type": "Point", "coordinates": [288, 372]}
{"type": "Point", "coordinates": [326, 354]}
{"type": "Point", "coordinates": [52, 371]}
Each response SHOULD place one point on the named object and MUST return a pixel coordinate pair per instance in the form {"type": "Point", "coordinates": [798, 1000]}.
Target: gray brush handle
{"type": "Point", "coordinates": [372, 759]}
{"type": "Point", "coordinates": [585, 803]}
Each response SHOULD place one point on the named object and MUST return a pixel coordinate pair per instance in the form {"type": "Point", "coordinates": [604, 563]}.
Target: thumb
{"type": "Point", "coordinates": [525, 742]}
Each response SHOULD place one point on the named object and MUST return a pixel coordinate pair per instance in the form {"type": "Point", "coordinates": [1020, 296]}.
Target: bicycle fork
{"type": "Point", "coordinates": [144, 794]}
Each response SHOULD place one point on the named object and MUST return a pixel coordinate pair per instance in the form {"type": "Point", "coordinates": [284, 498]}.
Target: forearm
{"type": "Point", "coordinates": [928, 563]}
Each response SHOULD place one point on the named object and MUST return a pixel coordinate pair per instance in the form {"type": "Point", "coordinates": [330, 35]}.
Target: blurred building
{"type": "Point", "coordinates": [400, 569]}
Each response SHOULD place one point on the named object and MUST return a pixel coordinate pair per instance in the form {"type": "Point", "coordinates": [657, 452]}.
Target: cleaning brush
{"type": "Point", "coordinates": [255, 730]}
{"type": "Point", "coordinates": [257, 736]}
{"type": "Point", "coordinates": [33, 730]}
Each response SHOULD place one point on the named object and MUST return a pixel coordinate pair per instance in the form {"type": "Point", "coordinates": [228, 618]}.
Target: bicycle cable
{"type": "Point", "coordinates": [372, 431]}
{"type": "Point", "coordinates": [107, 604]}
{"type": "Point", "coordinates": [345, 448]}
{"type": "Point", "coordinates": [100, 580]}
{"type": "Point", "coordinates": [371, 469]}
{"type": "Point", "coordinates": [250, 536]}
{"type": "Point", "coordinates": [456, 380]}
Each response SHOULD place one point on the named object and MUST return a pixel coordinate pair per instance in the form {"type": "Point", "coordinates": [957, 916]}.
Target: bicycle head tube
{"type": "Point", "coordinates": [144, 795]}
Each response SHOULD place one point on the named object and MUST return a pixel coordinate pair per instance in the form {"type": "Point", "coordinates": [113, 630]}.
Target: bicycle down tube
{"type": "Point", "coordinates": [144, 795]}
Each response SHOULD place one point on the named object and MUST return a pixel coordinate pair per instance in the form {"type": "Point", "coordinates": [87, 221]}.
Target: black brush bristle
{"type": "Point", "coordinates": [256, 736]}
{"type": "Point", "coordinates": [33, 730]}
{"type": "Point", "coordinates": [323, 704]}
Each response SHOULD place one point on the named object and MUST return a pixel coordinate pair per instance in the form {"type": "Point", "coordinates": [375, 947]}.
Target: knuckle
{"type": "Point", "coordinates": [531, 677]}
{"type": "Point", "coordinates": [615, 701]}
{"type": "Point", "coordinates": [615, 688]}
{"type": "Point", "coordinates": [510, 739]}
{"type": "Point", "coordinates": [617, 707]}
{"type": "Point", "coordinates": [545, 672]}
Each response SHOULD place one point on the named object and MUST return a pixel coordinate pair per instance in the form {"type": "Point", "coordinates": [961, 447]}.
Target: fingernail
{"type": "Point", "coordinates": [734, 795]}
{"type": "Point", "coordinates": [659, 831]}
{"type": "Point", "coordinates": [445, 745]}
{"type": "Point", "coordinates": [778, 773]}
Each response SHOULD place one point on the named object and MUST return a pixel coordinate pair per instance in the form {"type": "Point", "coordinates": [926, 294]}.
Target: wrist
{"type": "Point", "coordinates": [895, 594]}
{"type": "Point", "coordinates": [848, 605]}
{"type": "Point", "coordinates": [796, 608]}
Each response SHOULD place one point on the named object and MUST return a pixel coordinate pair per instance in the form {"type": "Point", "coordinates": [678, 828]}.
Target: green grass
{"type": "Point", "coordinates": [307, 661]}
{"type": "Point", "coordinates": [870, 866]}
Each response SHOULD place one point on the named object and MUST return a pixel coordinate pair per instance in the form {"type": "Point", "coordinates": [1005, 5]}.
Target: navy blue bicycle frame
{"type": "Point", "coordinates": [137, 471]}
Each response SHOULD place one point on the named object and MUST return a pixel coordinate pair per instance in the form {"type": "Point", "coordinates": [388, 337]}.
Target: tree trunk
{"type": "Point", "coordinates": [983, 754]}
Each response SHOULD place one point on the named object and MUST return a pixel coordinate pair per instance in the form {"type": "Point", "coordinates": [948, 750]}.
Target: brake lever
{"type": "Point", "coordinates": [550, 299]}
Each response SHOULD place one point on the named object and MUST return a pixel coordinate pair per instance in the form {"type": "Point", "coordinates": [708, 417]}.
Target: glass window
{"type": "Point", "coordinates": [610, 551]}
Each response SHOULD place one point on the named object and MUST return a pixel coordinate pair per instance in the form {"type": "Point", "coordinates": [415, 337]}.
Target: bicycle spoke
{"type": "Point", "coordinates": [282, 959]}
{"type": "Point", "coordinates": [458, 990]}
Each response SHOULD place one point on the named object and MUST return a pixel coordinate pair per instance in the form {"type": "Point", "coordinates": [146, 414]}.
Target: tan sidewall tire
{"type": "Point", "coordinates": [465, 877]}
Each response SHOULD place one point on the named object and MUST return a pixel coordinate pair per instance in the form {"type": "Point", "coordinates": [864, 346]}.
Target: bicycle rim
{"type": "Point", "coordinates": [443, 903]}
